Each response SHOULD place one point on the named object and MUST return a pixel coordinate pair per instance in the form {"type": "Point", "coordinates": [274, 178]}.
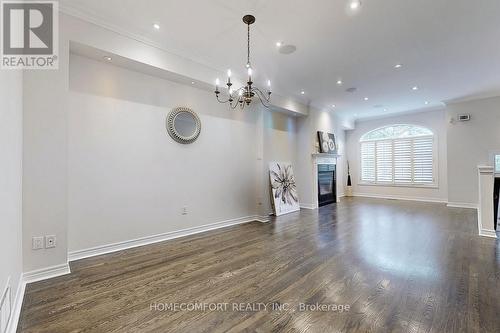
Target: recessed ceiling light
{"type": "Point", "coordinates": [192, 82]}
{"type": "Point", "coordinates": [108, 58]}
{"type": "Point", "coordinates": [339, 82]}
{"type": "Point", "coordinates": [366, 98]}
{"type": "Point", "coordinates": [333, 105]}
{"type": "Point", "coordinates": [278, 44]}
{"type": "Point", "coordinates": [414, 88]}
{"type": "Point", "coordinates": [355, 4]}
{"type": "Point", "coordinates": [385, 110]}
{"type": "Point", "coordinates": [426, 102]}
{"type": "Point", "coordinates": [303, 92]}
{"type": "Point", "coordinates": [397, 66]}
{"type": "Point", "coordinates": [156, 26]}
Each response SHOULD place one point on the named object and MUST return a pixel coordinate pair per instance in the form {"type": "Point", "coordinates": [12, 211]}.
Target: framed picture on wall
{"type": "Point", "coordinates": [327, 143]}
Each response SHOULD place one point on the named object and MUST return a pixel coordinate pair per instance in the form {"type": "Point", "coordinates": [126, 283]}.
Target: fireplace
{"type": "Point", "coordinates": [327, 189]}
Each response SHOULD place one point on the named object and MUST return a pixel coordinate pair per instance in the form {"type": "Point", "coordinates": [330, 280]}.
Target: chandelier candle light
{"type": "Point", "coordinates": [244, 95]}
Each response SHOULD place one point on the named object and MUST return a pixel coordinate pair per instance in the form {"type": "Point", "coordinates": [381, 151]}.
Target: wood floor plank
{"type": "Point", "coordinates": [399, 266]}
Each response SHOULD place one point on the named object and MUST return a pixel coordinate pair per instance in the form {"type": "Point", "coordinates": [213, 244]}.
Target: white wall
{"type": "Point", "coordinates": [434, 120]}
{"type": "Point", "coordinates": [45, 160]}
{"type": "Point", "coordinates": [98, 159]}
{"type": "Point", "coordinates": [128, 179]}
{"type": "Point", "coordinates": [279, 145]}
{"type": "Point", "coordinates": [11, 136]}
{"type": "Point", "coordinates": [307, 127]}
{"type": "Point", "coordinates": [469, 145]}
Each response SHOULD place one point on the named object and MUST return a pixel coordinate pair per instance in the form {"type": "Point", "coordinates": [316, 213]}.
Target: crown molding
{"type": "Point", "coordinates": [283, 102]}
{"type": "Point", "coordinates": [94, 19]}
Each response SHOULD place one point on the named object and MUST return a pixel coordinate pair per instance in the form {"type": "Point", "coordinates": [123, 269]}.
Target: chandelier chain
{"type": "Point", "coordinates": [248, 44]}
{"type": "Point", "coordinates": [244, 95]}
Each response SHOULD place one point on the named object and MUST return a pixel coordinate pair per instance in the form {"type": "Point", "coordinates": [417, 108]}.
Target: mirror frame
{"type": "Point", "coordinates": [176, 135]}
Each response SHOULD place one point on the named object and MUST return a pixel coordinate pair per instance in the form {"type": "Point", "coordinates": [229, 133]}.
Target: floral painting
{"type": "Point", "coordinates": [285, 198]}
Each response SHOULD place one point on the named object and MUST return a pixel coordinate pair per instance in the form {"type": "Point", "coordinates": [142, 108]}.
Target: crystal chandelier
{"type": "Point", "coordinates": [244, 95]}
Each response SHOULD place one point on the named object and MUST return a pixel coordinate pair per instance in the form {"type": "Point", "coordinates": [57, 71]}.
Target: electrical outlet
{"type": "Point", "coordinates": [50, 241]}
{"type": "Point", "coordinates": [184, 210]}
{"type": "Point", "coordinates": [37, 243]}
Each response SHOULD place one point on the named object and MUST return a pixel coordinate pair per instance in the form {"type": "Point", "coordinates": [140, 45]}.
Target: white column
{"type": "Point", "coordinates": [485, 219]}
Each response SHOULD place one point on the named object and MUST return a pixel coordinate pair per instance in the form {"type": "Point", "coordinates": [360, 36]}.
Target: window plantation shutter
{"type": "Point", "coordinates": [368, 161]}
{"type": "Point", "coordinates": [383, 155]}
{"type": "Point", "coordinates": [403, 161]}
{"type": "Point", "coordinates": [423, 160]}
{"type": "Point", "coordinates": [398, 155]}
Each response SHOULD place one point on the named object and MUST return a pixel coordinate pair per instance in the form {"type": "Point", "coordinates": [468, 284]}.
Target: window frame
{"type": "Point", "coordinates": [435, 145]}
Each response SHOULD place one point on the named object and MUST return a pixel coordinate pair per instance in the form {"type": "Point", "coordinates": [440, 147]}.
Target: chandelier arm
{"type": "Point", "coordinates": [265, 96]}
{"type": "Point", "coordinates": [222, 101]}
{"type": "Point", "coordinates": [264, 104]}
{"type": "Point", "coordinates": [219, 100]}
{"type": "Point", "coordinates": [234, 96]}
{"type": "Point", "coordinates": [261, 98]}
{"type": "Point", "coordinates": [236, 102]}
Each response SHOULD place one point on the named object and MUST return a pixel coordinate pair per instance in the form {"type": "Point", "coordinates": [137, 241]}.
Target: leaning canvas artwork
{"type": "Point", "coordinates": [284, 196]}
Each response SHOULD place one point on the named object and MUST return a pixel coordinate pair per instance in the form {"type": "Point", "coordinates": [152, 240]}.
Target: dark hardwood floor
{"type": "Point", "coordinates": [399, 266]}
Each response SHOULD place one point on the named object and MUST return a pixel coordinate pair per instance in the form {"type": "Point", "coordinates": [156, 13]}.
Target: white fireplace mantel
{"type": "Point", "coordinates": [485, 219]}
{"type": "Point", "coordinates": [323, 158]}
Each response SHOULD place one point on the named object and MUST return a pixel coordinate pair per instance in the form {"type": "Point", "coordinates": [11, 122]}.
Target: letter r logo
{"type": "Point", "coordinates": [27, 28]}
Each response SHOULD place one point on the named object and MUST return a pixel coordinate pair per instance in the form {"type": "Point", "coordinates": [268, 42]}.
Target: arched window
{"type": "Point", "coordinates": [398, 155]}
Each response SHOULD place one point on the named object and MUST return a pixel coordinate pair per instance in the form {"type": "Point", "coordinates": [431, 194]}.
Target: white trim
{"type": "Point", "coordinates": [487, 233]}
{"type": "Point", "coordinates": [262, 218]}
{"type": "Point", "coordinates": [93, 19]}
{"type": "Point", "coordinates": [119, 246]}
{"type": "Point", "coordinates": [46, 273]}
{"type": "Point", "coordinates": [381, 184]}
{"type": "Point", "coordinates": [6, 301]}
{"type": "Point", "coordinates": [399, 197]}
{"type": "Point", "coordinates": [485, 169]}
{"type": "Point", "coordinates": [397, 137]}
{"type": "Point", "coordinates": [58, 270]}
{"type": "Point", "coordinates": [29, 277]}
{"type": "Point", "coordinates": [461, 205]}
{"type": "Point", "coordinates": [17, 305]}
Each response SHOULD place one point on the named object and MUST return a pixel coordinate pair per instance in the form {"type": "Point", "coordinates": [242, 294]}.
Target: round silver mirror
{"type": "Point", "coordinates": [183, 125]}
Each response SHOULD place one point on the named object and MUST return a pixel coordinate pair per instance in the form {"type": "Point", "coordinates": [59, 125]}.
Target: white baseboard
{"type": "Point", "coordinates": [16, 307]}
{"type": "Point", "coordinates": [461, 205]}
{"type": "Point", "coordinates": [119, 246]}
{"type": "Point", "coordinates": [262, 218]}
{"type": "Point", "coordinates": [29, 277]}
{"type": "Point", "coordinates": [487, 233]}
{"type": "Point", "coordinates": [46, 273]}
{"type": "Point", "coordinates": [398, 197]}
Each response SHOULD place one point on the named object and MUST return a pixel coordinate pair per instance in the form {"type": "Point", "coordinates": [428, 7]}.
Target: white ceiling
{"type": "Point", "coordinates": [450, 49]}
